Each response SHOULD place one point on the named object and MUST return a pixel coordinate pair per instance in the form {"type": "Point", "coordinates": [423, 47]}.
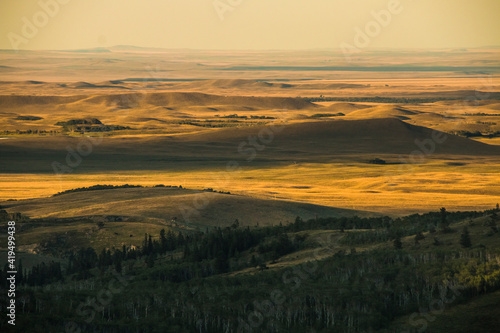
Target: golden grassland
{"type": "Point", "coordinates": [358, 186]}
{"type": "Point", "coordinates": [305, 169]}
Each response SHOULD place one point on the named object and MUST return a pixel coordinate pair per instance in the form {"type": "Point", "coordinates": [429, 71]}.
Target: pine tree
{"type": "Point", "coordinates": [493, 222]}
{"type": "Point", "coordinates": [20, 273]}
{"type": "Point", "coordinates": [145, 245]}
{"type": "Point", "coordinates": [180, 239]}
{"type": "Point", "coordinates": [187, 251]}
{"type": "Point", "coordinates": [445, 226]}
{"type": "Point", "coordinates": [253, 261]}
{"type": "Point", "coordinates": [465, 238]}
{"type": "Point", "coordinates": [419, 237]}
{"type": "Point", "coordinates": [117, 258]}
{"type": "Point", "coordinates": [102, 259]}
{"type": "Point", "coordinates": [263, 266]}
{"type": "Point", "coordinates": [150, 244]}
{"type": "Point", "coordinates": [398, 245]}
{"type": "Point", "coordinates": [163, 241]}
{"type": "Point", "coordinates": [118, 265]}
{"type": "Point", "coordinates": [150, 261]}
{"type": "Point", "coordinates": [171, 241]}
{"type": "Point", "coordinates": [221, 263]}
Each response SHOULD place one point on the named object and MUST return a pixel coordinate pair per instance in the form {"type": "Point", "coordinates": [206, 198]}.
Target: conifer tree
{"type": "Point", "coordinates": [398, 245]}
{"type": "Point", "coordinates": [465, 238]}
{"type": "Point", "coordinates": [444, 225]}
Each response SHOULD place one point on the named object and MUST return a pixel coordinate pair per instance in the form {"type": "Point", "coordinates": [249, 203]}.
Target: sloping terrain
{"type": "Point", "coordinates": [167, 99]}
{"type": "Point", "coordinates": [164, 205]}
{"type": "Point", "coordinates": [386, 135]}
{"type": "Point", "coordinates": [130, 109]}
{"type": "Point", "coordinates": [384, 111]}
{"type": "Point", "coordinates": [307, 141]}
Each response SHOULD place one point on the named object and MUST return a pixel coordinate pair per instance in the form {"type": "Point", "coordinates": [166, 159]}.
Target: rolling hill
{"type": "Point", "coordinates": [384, 135]}
{"type": "Point", "coordinates": [144, 99]}
{"type": "Point", "coordinates": [317, 141]}
{"type": "Point", "coordinates": [384, 111]}
{"type": "Point", "coordinates": [202, 208]}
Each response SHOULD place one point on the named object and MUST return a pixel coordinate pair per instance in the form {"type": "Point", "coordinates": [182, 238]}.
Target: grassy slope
{"type": "Point", "coordinates": [163, 204]}
{"type": "Point", "coordinates": [70, 220]}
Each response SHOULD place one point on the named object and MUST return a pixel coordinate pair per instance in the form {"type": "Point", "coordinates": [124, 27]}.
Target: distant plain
{"type": "Point", "coordinates": [317, 130]}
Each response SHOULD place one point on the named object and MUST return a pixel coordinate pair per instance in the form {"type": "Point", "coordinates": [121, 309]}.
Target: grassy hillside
{"type": "Point", "coordinates": [386, 135]}
{"type": "Point", "coordinates": [164, 204]}
{"type": "Point", "coordinates": [118, 217]}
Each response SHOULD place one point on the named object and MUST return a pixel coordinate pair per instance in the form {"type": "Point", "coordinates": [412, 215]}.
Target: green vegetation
{"type": "Point", "coordinates": [398, 245]}
{"type": "Point", "coordinates": [5, 216]}
{"type": "Point", "coordinates": [89, 125]}
{"type": "Point", "coordinates": [212, 190]}
{"type": "Point", "coordinates": [30, 118]}
{"type": "Point", "coordinates": [262, 117]}
{"type": "Point", "coordinates": [477, 134]}
{"type": "Point", "coordinates": [377, 99]}
{"type": "Point", "coordinates": [349, 278]}
{"type": "Point", "coordinates": [92, 121]}
{"type": "Point", "coordinates": [110, 187]}
{"type": "Point", "coordinates": [29, 132]}
{"type": "Point", "coordinates": [97, 187]}
{"type": "Point", "coordinates": [232, 116]}
{"type": "Point", "coordinates": [482, 114]}
{"type": "Point", "coordinates": [216, 123]}
{"type": "Point", "coordinates": [235, 116]}
{"type": "Point", "coordinates": [377, 161]}
{"type": "Point", "coordinates": [326, 115]}
{"type": "Point", "coordinates": [465, 238]}
{"type": "Point", "coordinates": [482, 314]}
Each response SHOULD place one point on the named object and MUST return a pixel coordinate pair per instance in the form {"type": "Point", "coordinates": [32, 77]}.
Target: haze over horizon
{"type": "Point", "coordinates": [250, 25]}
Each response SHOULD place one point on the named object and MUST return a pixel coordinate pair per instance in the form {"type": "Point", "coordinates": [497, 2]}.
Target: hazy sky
{"type": "Point", "coordinates": [247, 24]}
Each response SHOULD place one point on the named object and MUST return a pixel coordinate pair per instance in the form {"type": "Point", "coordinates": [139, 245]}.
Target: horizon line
{"type": "Point", "coordinates": [366, 50]}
